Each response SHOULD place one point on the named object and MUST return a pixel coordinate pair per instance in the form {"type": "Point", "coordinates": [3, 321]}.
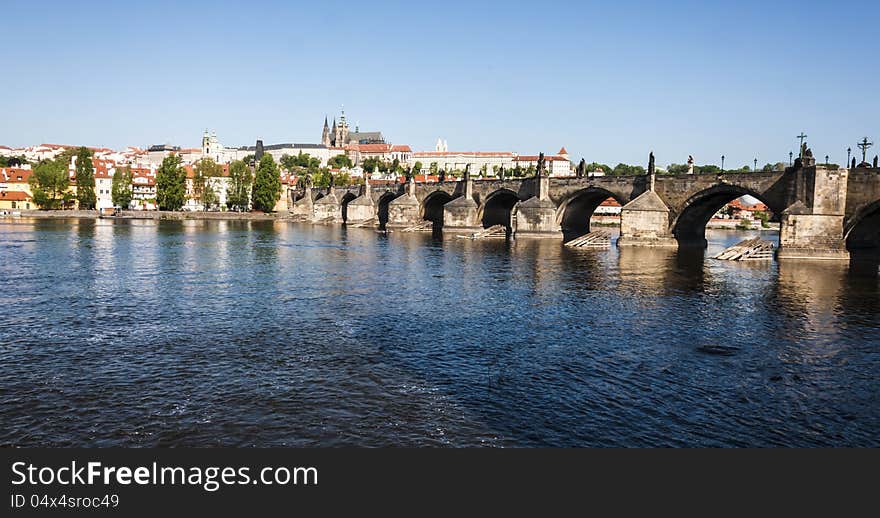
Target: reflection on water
{"type": "Point", "coordinates": [268, 333]}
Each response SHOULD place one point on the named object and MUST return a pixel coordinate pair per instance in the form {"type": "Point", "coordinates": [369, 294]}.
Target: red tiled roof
{"type": "Point", "coordinates": [534, 158]}
{"type": "Point", "coordinates": [14, 196]}
{"type": "Point", "coordinates": [439, 154]}
{"type": "Point", "coordinates": [374, 148]}
{"type": "Point", "coordinates": [562, 151]}
{"type": "Point", "coordinates": [401, 149]}
{"type": "Point", "coordinates": [15, 175]}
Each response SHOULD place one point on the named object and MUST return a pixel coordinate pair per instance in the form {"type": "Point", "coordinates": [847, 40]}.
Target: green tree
{"type": "Point", "coordinates": [763, 217]}
{"type": "Point", "coordinates": [677, 168]}
{"type": "Point", "coordinates": [204, 170]}
{"type": "Point", "coordinates": [240, 180]}
{"type": "Point", "coordinates": [340, 162]}
{"type": "Point", "coordinates": [85, 179]}
{"type": "Point", "coordinates": [267, 184]}
{"type": "Point", "coordinates": [433, 168]}
{"type": "Point", "coordinates": [595, 166]}
{"type": "Point", "coordinates": [707, 169]}
{"type": "Point", "coordinates": [416, 169]}
{"type": "Point", "coordinates": [121, 187]}
{"type": "Point", "coordinates": [209, 194]}
{"type": "Point", "coordinates": [625, 169]}
{"type": "Point", "coordinates": [369, 165]}
{"type": "Point", "coordinates": [171, 184]}
{"type": "Point", "coordinates": [49, 184]}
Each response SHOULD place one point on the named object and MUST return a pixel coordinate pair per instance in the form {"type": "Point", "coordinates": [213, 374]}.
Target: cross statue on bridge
{"type": "Point", "coordinates": [801, 137]}
{"type": "Point", "coordinates": [864, 145]}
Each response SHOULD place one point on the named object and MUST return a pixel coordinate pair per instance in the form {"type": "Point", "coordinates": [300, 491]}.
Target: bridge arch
{"type": "Point", "coordinates": [497, 208]}
{"type": "Point", "coordinates": [382, 207]}
{"type": "Point", "coordinates": [862, 231]}
{"type": "Point", "coordinates": [574, 213]}
{"type": "Point", "coordinates": [432, 207]}
{"type": "Point", "coordinates": [346, 199]}
{"type": "Point", "coordinates": [689, 224]}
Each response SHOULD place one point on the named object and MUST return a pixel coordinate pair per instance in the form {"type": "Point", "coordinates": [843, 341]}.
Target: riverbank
{"type": "Point", "coordinates": [152, 215]}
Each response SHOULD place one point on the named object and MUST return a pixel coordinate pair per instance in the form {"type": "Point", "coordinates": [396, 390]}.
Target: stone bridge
{"type": "Point", "coordinates": [822, 211]}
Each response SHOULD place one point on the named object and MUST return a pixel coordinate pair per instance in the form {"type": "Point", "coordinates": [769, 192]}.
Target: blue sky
{"type": "Point", "coordinates": [609, 81]}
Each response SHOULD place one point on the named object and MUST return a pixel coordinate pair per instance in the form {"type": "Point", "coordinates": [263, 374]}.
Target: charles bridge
{"type": "Point", "coordinates": [823, 212]}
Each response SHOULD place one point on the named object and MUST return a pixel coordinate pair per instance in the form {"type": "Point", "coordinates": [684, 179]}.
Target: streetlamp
{"type": "Point", "coordinates": [790, 154]}
{"type": "Point", "coordinates": [826, 159]}
{"type": "Point", "coordinates": [722, 163]}
{"type": "Point", "coordinates": [756, 164]}
{"type": "Point", "coordinates": [848, 153]}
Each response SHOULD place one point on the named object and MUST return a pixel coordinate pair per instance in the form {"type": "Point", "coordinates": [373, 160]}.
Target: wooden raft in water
{"type": "Point", "coordinates": [597, 239]}
{"type": "Point", "coordinates": [495, 231]}
{"type": "Point", "coordinates": [753, 249]}
{"type": "Point", "coordinates": [425, 226]}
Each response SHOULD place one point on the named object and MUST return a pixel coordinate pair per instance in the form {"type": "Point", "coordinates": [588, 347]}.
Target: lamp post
{"type": "Point", "coordinates": [848, 153]}
{"type": "Point", "coordinates": [756, 164]}
{"type": "Point", "coordinates": [790, 154]}
{"type": "Point", "coordinates": [826, 159]}
{"type": "Point", "coordinates": [722, 163]}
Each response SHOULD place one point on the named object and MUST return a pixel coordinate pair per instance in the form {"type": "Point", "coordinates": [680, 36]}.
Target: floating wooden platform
{"type": "Point", "coordinates": [425, 226]}
{"type": "Point", "coordinates": [596, 239]}
{"type": "Point", "coordinates": [749, 250]}
{"type": "Point", "coordinates": [495, 231]}
{"type": "Point", "coordinates": [363, 223]}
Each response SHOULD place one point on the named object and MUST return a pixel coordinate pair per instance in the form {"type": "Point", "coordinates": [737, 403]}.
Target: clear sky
{"type": "Point", "coordinates": [610, 81]}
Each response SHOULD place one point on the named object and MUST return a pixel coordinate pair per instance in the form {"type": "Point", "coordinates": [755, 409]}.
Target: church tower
{"type": "Point", "coordinates": [341, 130]}
{"type": "Point", "coordinates": [325, 135]}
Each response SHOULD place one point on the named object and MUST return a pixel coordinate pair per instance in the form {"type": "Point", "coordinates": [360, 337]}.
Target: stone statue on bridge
{"type": "Point", "coordinates": [875, 161]}
{"type": "Point", "coordinates": [808, 159]}
{"type": "Point", "coordinates": [539, 171]}
{"type": "Point", "coordinates": [651, 163]}
{"type": "Point", "coordinates": [581, 170]}
{"type": "Point", "coordinates": [690, 164]}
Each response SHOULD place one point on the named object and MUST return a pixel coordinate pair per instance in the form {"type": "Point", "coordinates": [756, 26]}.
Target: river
{"type": "Point", "coordinates": [263, 333]}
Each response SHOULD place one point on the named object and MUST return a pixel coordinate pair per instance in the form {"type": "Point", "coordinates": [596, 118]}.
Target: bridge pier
{"type": "Point", "coordinates": [327, 209]}
{"type": "Point", "coordinates": [536, 217]}
{"type": "Point", "coordinates": [403, 211]}
{"type": "Point", "coordinates": [304, 207]}
{"type": "Point", "coordinates": [461, 213]}
{"type": "Point", "coordinates": [812, 227]}
{"type": "Point", "coordinates": [645, 222]}
{"type": "Point", "coordinates": [361, 208]}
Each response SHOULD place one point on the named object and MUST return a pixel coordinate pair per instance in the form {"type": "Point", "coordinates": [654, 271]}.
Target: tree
{"type": "Point", "coordinates": [340, 162]}
{"type": "Point", "coordinates": [267, 184]}
{"type": "Point", "coordinates": [369, 165]}
{"type": "Point", "coordinates": [204, 170]}
{"type": "Point", "coordinates": [171, 184]}
{"type": "Point", "coordinates": [209, 194]}
{"type": "Point", "coordinates": [625, 169]}
{"type": "Point", "coordinates": [484, 169]}
{"type": "Point", "coordinates": [121, 187]}
{"type": "Point", "coordinates": [707, 168]}
{"type": "Point", "coordinates": [416, 169]}
{"type": "Point", "coordinates": [595, 166]}
{"type": "Point", "coordinates": [85, 179]}
{"type": "Point", "coordinates": [433, 168]}
{"type": "Point", "coordinates": [240, 180]}
{"type": "Point", "coordinates": [49, 184]}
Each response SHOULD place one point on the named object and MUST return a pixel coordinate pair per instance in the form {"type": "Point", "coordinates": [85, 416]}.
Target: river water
{"type": "Point", "coordinates": [235, 333]}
